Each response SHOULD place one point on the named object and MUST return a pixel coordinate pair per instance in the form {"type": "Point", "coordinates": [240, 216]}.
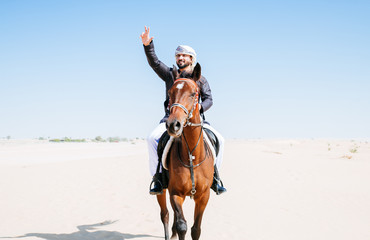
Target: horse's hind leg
{"type": "Point", "coordinates": [200, 206]}
{"type": "Point", "coordinates": [180, 222]}
{"type": "Point", "coordinates": [164, 212]}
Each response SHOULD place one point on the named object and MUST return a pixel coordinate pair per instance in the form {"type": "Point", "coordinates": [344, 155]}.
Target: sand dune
{"type": "Point", "coordinates": [277, 189]}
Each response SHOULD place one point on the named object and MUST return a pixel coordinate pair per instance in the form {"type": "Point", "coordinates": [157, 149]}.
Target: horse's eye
{"type": "Point", "coordinates": [192, 95]}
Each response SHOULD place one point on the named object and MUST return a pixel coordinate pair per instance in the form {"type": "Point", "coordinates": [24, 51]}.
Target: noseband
{"type": "Point", "coordinates": [189, 114]}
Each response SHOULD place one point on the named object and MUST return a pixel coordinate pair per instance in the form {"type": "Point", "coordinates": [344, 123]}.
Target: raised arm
{"type": "Point", "coordinates": [162, 70]}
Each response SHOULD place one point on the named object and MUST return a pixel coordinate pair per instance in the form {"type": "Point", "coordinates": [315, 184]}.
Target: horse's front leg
{"type": "Point", "coordinates": [200, 206]}
{"type": "Point", "coordinates": [174, 230]}
{"type": "Point", "coordinates": [180, 222]}
{"type": "Point", "coordinates": [164, 213]}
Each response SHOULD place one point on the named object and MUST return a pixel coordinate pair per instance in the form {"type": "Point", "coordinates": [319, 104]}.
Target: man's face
{"type": "Point", "coordinates": [183, 60]}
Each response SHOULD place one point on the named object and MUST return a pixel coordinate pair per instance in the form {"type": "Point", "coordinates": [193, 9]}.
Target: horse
{"type": "Point", "coordinates": [189, 162]}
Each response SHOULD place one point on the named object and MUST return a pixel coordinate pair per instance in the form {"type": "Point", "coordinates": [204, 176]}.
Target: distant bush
{"type": "Point", "coordinates": [99, 139]}
{"type": "Point", "coordinates": [96, 139]}
{"type": "Point", "coordinates": [353, 150]}
{"type": "Point", "coordinates": [66, 139]}
{"type": "Point", "coordinates": [113, 139]}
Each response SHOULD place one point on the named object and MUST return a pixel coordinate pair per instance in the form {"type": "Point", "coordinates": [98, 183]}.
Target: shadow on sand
{"type": "Point", "coordinates": [84, 234]}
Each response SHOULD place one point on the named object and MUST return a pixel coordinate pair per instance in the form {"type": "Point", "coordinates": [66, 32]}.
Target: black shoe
{"type": "Point", "coordinates": [219, 189]}
{"type": "Point", "coordinates": [157, 189]}
{"type": "Point", "coordinates": [217, 184]}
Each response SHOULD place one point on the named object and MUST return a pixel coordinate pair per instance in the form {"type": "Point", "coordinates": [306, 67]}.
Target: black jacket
{"type": "Point", "coordinates": [165, 73]}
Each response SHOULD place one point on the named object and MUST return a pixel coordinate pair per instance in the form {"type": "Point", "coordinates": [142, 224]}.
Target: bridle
{"type": "Point", "coordinates": [189, 114]}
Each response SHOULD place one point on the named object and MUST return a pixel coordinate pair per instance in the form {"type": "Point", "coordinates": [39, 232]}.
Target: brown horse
{"type": "Point", "coordinates": [189, 161]}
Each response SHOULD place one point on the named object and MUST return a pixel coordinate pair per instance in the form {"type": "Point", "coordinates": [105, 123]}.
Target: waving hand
{"type": "Point", "coordinates": [145, 37]}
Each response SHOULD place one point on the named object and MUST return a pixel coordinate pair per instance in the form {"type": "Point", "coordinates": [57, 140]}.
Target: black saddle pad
{"type": "Point", "coordinates": [161, 145]}
{"type": "Point", "coordinates": [214, 140]}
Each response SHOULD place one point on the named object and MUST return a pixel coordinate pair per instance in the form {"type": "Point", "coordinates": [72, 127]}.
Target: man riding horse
{"type": "Point", "coordinates": [185, 60]}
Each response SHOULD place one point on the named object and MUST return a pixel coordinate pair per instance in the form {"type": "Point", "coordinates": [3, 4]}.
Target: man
{"type": "Point", "coordinates": [185, 60]}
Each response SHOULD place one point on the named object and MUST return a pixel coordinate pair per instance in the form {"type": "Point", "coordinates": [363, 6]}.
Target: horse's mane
{"type": "Point", "coordinates": [194, 75]}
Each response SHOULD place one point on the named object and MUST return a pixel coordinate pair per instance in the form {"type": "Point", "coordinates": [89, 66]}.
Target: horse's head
{"type": "Point", "coordinates": [183, 101]}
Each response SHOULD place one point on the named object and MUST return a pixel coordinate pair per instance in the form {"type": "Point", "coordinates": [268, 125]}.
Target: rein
{"type": "Point", "coordinates": [191, 166]}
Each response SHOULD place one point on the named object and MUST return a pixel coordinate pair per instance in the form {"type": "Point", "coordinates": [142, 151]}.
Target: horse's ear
{"type": "Point", "coordinates": [197, 72]}
{"type": "Point", "coordinates": [175, 73]}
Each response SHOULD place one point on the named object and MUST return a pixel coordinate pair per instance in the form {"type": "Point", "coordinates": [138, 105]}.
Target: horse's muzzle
{"type": "Point", "coordinates": [174, 128]}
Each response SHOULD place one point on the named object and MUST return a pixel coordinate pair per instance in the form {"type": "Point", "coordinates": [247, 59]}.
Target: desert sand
{"type": "Point", "coordinates": [301, 189]}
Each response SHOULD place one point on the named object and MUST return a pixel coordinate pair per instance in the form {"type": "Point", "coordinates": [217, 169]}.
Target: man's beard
{"type": "Point", "coordinates": [183, 65]}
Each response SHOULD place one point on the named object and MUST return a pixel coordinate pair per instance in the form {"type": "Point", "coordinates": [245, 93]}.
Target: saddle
{"type": "Point", "coordinates": [164, 140]}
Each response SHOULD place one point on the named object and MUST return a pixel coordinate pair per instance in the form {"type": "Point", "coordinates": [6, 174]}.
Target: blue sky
{"type": "Point", "coordinates": [277, 69]}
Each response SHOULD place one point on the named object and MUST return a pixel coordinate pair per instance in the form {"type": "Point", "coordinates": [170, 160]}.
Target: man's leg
{"type": "Point", "coordinates": [217, 184]}
{"type": "Point", "coordinates": [155, 169]}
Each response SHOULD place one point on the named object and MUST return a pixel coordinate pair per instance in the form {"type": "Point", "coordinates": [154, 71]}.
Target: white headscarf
{"type": "Point", "coordinates": [183, 49]}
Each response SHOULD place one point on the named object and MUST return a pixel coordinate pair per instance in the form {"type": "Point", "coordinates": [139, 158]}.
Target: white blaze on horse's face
{"type": "Point", "coordinates": [180, 86]}
{"type": "Point", "coordinates": [180, 107]}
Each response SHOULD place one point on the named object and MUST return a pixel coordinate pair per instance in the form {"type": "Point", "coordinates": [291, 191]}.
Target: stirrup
{"type": "Point", "coordinates": [157, 188]}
